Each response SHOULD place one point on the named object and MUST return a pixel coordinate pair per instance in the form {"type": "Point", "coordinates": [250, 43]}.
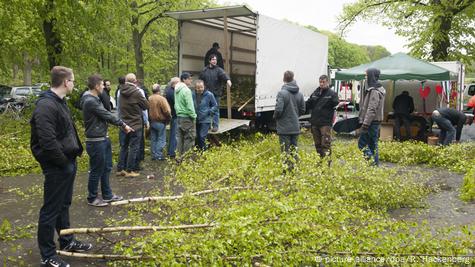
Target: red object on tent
{"type": "Point", "coordinates": [453, 95]}
{"type": "Point", "coordinates": [424, 93]}
{"type": "Point", "coordinates": [438, 89]}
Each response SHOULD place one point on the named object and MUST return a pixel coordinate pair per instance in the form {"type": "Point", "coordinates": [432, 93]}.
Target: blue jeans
{"type": "Point", "coordinates": [54, 214]}
{"type": "Point", "coordinates": [288, 145]}
{"type": "Point", "coordinates": [447, 130]}
{"type": "Point", "coordinates": [158, 139]}
{"type": "Point", "coordinates": [172, 138]}
{"type": "Point", "coordinates": [123, 154]}
{"type": "Point", "coordinates": [129, 152]}
{"type": "Point", "coordinates": [100, 166]}
{"type": "Point", "coordinates": [368, 142]}
{"type": "Point", "coordinates": [202, 131]}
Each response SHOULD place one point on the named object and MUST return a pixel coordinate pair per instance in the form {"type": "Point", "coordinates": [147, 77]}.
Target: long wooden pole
{"type": "Point", "coordinates": [227, 65]}
{"type": "Point", "coordinates": [132, 228]}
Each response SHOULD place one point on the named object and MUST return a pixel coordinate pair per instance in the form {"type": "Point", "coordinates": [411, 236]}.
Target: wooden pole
{"type": "Point", "coordinates": [132, 228]}
{"type": "Point", "coordinates": [226, 65]}
{"type": "Point", "coordinates": [150, 199]}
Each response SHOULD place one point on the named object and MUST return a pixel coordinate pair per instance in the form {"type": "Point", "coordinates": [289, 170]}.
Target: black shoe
{"type": "Point", "coordinates": [54, 261]}
{"type": "Point", "coordinates": [77, 246]}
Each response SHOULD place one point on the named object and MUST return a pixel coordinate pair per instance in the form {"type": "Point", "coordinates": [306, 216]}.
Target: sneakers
{"type": "Point", "coordinates": [132, 174]}
{"type": "Point", "coordinates": [121, 173]}
{"type": "Point", "coordinates": [54, 261]}
{"type": "Point", "coordinates": [214, 129]}
{"type": "Point", "coordinates": [113, 199]}
{"type": "Point", "coordinates": [77, 246]}
{"type": "Point", "coordinates": [98, 202]}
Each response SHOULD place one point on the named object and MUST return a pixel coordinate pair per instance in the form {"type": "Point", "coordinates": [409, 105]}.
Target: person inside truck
{"type": "Point", "coordinates": [214, 76]}
{"type": "Point", "coordinates": [214, 50]}
{"type": "Point", "coordinates": [446, 119]}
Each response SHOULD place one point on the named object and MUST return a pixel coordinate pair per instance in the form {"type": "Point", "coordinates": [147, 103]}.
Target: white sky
{"type": "Point", "coordinates": [322, 14]}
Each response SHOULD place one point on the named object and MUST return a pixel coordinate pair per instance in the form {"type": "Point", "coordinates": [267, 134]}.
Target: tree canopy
{"type": "Point", "coordinates": [438, 30]}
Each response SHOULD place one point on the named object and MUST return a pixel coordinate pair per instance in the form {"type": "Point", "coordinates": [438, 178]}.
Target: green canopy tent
{"type": "Point", "coordinates": [398, 67]}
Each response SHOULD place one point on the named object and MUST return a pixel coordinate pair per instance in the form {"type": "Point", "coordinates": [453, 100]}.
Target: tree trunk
{"type": "Point", "coordinates": [441, 39]}
{"type": "Point", "coordinates": [15, 71]}
{"type": "Point", "coordinates": [137, 39]}
{"type": "Point", "coordinates": [27, 67]}
{"type": "Point", "coordinates": [54, 46]}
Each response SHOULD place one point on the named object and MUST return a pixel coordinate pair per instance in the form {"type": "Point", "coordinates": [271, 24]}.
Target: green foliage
{"type": "Point", "coordinates": [456, 157]}
{"type": "Point", "coordinates": [10, 233]}
{"type": "Point", "coordinates": [282, 219]}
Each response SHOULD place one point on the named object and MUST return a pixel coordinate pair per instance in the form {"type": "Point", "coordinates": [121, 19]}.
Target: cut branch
{"type": "Point", "coordinates": [150, 199]}
{"type": "Point", "coordinates": [103, 256]}
{"type": "Point", "coordinates": [133, 228]}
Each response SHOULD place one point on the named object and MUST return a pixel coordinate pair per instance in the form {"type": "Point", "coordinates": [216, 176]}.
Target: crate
{"type": "Point", "coordinates": [386, 131]}
{"type": "Point", "coordinates": [432, 140]}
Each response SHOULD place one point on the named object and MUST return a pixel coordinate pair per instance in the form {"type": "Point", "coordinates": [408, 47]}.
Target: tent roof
{"type": "Point", "coordinates": [398, 67]}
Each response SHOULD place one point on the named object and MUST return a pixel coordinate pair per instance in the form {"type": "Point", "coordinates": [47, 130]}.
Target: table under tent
{"type": "Point", "coordinates": [430, 86]}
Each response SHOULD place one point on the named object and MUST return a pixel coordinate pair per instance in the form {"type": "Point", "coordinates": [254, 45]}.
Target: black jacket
{"type": "Point", "coordinates": [170, 96]}
{"type": "Point", "coordinates": [403, 104]}
{"type": "Point", "coordinates": [322, 105]}
{"type": "Point", "coordinates": [96, 117]}
{"type": "Point", "coordinates": [457, 118]}
{"type": "Point", "coordinates": [214, 79]}
{"type": "Point", "coordinates": [54, 138]}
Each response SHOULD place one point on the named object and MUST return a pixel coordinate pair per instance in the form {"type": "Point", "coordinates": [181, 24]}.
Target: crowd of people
{"type": "Point", "coordinates": [191, 114]}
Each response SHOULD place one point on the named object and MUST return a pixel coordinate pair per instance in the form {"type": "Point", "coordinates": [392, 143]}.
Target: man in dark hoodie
{"type": "Point", "coordinates": [132, 103]}
{"type": "Point", "coordinates": [446, 119]}
{"type": "Point", "coordinates": [289, 106]}
{"type": "Point", "coordinates": [403, 106]}
{"type": "Point", "coordinates": [371, 115]}
{"type": "Point", "coordinates": [55, 145]}
{"type": "Point", "coordinates": [98, 146]}
{"type": "Point", "coordinates": [322, 103]}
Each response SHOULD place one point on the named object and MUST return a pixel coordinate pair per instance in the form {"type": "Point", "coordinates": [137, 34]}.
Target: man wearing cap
{"type": "Point", "coordinates": [186, 115]}
{"type": "Point", "coordinates": [446, 119]}
{"type": "Point", "coordinates": [213, 76]}
{"type": "Point", "coordinates": [214, 51]}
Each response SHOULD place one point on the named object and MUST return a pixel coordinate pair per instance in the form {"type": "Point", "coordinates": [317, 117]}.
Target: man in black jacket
{"type": "Point", "coordinates": [214, 76]}
{"type": "Point", "coordinates": [403, 106]}
{"type": "Point", "coordinates": [170, 95]}
{"type": "Point", "coordinates": [446, 119]}
{"type": "Point", "coordinates": [55, 145]}
{"type": "Point", "coordinates": [98, 145]}
{"type": "Point", "coordinates": [214, 51]}
{"type": "Point", "coordinates": [322, 103]}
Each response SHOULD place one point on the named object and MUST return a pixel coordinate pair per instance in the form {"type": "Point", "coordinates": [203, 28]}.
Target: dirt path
{"type": "Point", "coordinates": [21, 200]}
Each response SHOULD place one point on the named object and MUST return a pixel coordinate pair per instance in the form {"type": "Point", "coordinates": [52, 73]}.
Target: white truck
{"type": "Point", "coordinates": [257, 50]}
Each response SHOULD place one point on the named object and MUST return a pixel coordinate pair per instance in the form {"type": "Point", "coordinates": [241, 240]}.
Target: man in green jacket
{"type": "Point", "coordinates": [186, 115]}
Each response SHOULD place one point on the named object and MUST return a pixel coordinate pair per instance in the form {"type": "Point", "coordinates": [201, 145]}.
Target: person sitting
{"type": "Point", "coordinates": [403, 106]}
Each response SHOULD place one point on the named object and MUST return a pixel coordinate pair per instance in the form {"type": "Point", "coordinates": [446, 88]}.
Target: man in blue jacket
{"type": "Point", "coordinates": [206, 107]}
{"type": "Point", "coordinates": [55, 145]}
{"type": "Point", "coordinates": [98, 144]}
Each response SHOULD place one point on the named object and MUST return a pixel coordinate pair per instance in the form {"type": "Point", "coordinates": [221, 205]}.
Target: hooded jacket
{"type": "Point", "coordinates": [132, 102]}
{"type": "Point", "coordinates": [205, 106]}
{"type": "Point", "coordinates": [322, 105]}
{"type": "Point", "coordinates": [96, 117]}
{"type": "Point", "coordinates": [184, 105]}
{"type": "Point", "coordinates": [54, 138]}
{"type": "Point", "coordinates": [289, 106]}
{"type": "Point", "coordinates": [372, 105]}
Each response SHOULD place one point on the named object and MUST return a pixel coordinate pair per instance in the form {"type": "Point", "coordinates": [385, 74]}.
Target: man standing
{"type": "Point", "coordinates": [322, 104]}
{"type": "Point", "coordinates": [214, 51]}
{"type": "Point", "coordinates": [206, 107]}
{"type": "Point", "coordinates": [371, 115]}
{"type": "Point", "coordinates": [403, 106]}
{"type": "Point", "coordinates": [446, 119]}
{"type": "Point", "coordinates": [213, 76]}
{"type": "Point", "coordinates": [289, 106]}
{"type": "Point", "coordinates": [186, 115]}
{"type": "Point", "coordinates": [160, 115]}
{"type": "Point", "coordinates": [55, 145]}
{"type": "Point", "coordinates": [132, 103]}
{"type": "Point", "coordinates": [170, 95]}
{"type": "Point", "coordinates": [98, 145]}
